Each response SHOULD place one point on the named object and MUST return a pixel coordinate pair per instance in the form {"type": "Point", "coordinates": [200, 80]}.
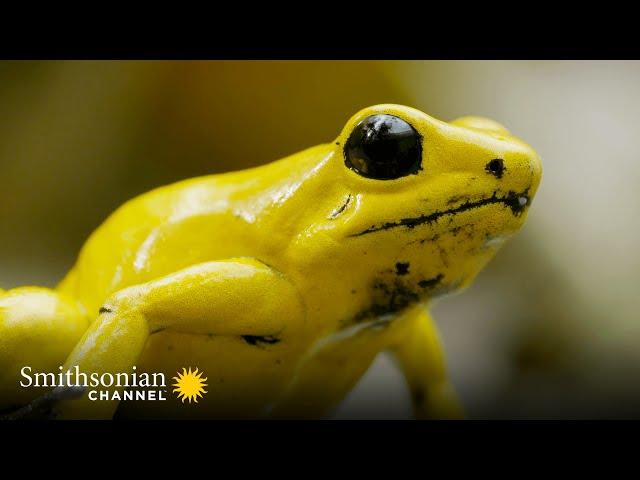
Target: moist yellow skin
{"type": "Point", "coordinates": [282, 283]}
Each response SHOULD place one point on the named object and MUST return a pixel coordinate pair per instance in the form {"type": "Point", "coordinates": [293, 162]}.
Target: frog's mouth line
{"type": "Point", "coordinates": [517, 202]}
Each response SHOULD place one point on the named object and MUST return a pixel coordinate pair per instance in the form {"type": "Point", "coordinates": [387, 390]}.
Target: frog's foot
{"type": "Point", "coordinates": [38, 329]}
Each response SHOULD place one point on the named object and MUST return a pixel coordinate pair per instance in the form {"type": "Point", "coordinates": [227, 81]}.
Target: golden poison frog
{"type": "Point", "coordinates": [281, 283]}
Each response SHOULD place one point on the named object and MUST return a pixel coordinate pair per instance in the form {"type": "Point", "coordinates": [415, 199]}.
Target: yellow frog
{"type": "Point", "coordinates": [282, 283]}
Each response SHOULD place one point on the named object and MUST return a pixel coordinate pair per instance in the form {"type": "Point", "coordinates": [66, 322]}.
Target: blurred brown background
{"type": "Point", "coordinates": [549, 330]}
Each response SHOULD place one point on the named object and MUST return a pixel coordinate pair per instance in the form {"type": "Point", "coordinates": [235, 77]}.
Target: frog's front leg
{"type": "Point", "coordinates": [421, 358]}
{"type": "Point", "coordinates": [235, 297]}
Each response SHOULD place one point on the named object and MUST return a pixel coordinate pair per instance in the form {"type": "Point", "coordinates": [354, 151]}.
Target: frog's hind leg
{"type": "Point", "coordinates": [38, 329]}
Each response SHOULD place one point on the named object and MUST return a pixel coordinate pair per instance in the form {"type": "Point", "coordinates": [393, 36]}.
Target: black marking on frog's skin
{"type": "Point", "coordinates": [257, 340]}
{"type": "Point", "coordinates": [517, 202]}
{"type": "Point", "coordinates": [431, 282]}
{"type": "Point", "coordinates": [495, 167]}
{"type": "Point", "coordinates": [104, 310]}
{"type": "Point", "coordinates": [157, 330]}
{"type": "Point", "coordinates": [389, 297]}
{"type": "Point", "coordinates": [444, 255]}
{"type": "Point", "coordinates": [402, 268]}
{"type": "Point", "coordinates": [336, 213]}
{"type": "Point", "coordinates": [422, 241]}
{"type": "Point", "coordinates": [457, 198]}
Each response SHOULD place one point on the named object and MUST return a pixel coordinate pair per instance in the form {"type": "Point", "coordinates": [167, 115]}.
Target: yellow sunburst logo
{"type": "Point", "coordinates": [189, 385]}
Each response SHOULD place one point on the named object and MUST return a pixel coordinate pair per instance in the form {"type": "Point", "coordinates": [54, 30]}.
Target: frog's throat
{"type": "Point", "coordinates": [517, 202]}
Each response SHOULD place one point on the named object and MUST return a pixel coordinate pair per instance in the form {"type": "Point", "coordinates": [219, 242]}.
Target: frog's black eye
{"type": "Point", "coordinates": [383, 147]}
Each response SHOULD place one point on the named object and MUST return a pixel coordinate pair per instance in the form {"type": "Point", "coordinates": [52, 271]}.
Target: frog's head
{"type": "Point", "coordinates": [418, 205]}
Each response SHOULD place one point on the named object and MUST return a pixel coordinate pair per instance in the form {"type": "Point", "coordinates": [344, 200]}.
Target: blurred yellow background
{"type": "Point", "coordinates": [549, 330]}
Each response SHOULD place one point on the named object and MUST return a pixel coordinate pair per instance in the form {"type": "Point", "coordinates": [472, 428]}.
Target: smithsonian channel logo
{"type": "Point", "coordinates": [123, 386]}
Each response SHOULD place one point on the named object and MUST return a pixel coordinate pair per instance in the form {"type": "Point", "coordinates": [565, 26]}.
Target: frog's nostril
{"type": "Point", "coordinates": [496, 167]}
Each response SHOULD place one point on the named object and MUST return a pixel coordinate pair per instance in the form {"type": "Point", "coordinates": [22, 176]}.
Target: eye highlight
{"type": "Point", "coordinates": [383, 147]}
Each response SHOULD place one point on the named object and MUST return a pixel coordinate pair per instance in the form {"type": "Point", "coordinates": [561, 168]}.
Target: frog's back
{"type": "Point", "coordinates": [175, 226]}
